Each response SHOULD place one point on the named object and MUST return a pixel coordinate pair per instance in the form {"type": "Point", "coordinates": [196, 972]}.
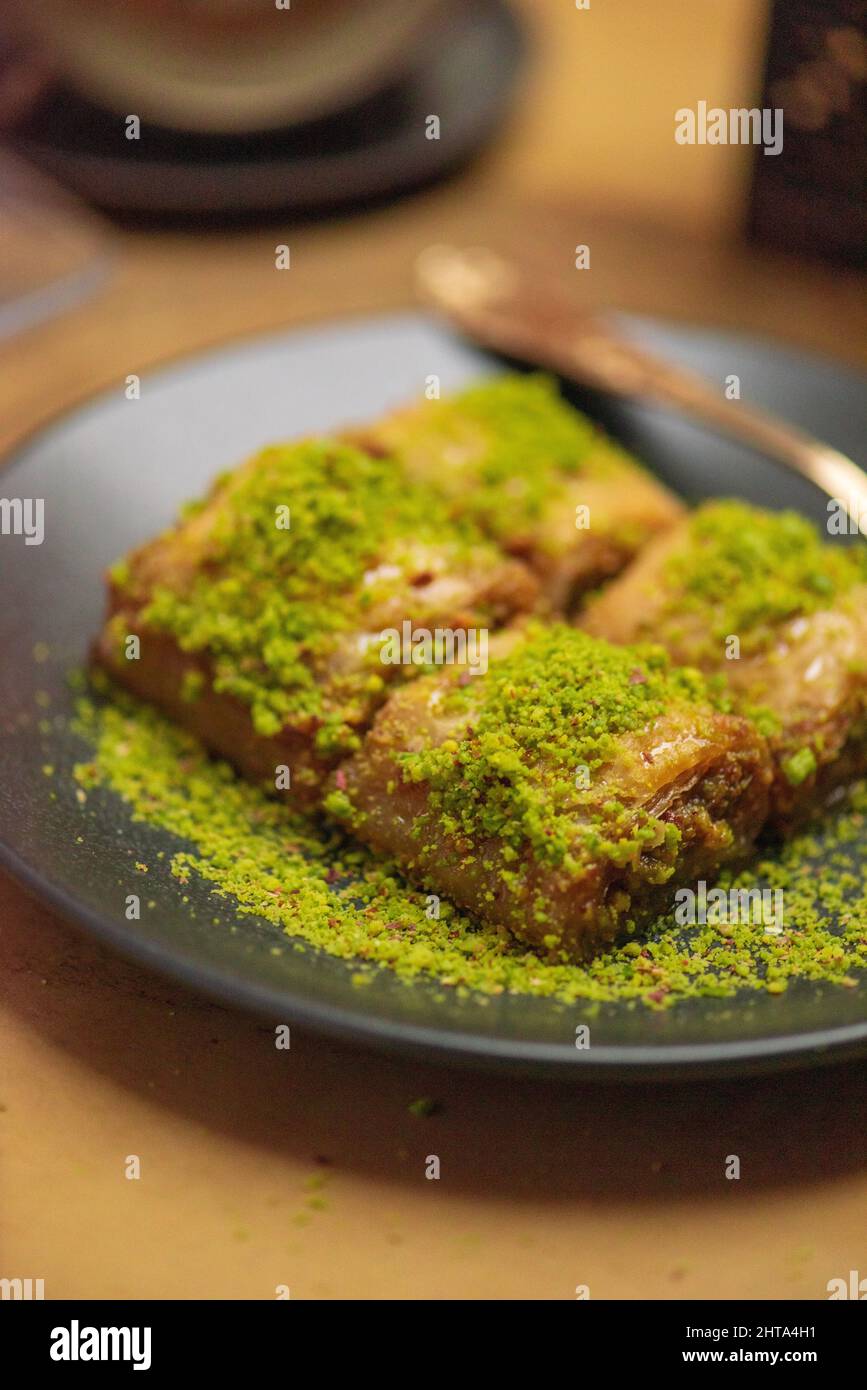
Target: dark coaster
{"type": "Point", "coordinates": [464, 74]}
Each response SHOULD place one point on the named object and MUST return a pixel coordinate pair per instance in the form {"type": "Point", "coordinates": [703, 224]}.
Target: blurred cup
{"type": "Point", "coordinates": [220, 66]}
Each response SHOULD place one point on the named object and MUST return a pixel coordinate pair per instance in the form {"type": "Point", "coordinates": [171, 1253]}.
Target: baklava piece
{"type": "Point", "coordinates": [259, 616]}
{"type": "Point", "coordinates": [540, 479]}
{"type": "Point", "coordinates": [565, 795]}
{"type": "Point", "coordinates": [758, 598]}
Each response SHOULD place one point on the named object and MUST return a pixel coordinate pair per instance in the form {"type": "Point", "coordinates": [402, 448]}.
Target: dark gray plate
{"type": "Point", "coordinates": [114, 471]}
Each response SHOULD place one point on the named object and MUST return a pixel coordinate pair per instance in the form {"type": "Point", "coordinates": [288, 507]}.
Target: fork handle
{"type": "Point", "coordinates": [632, 371]}
{"type": "Point", "coordinates": [529, 316]}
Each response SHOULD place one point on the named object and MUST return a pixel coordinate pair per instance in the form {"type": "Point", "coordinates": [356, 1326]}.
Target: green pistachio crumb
{"type": "Point", "coordinates": [424, 1107]}
{"type": "Point", "coordinates": [269, 608]}
{"type": "Point", "coordinates": [322, 891]}
{"type": "Point", "coordinates": [799, 766]}
{"type": "Point", "coordinates": [746, 571]}
{"type": "Point", "coordinates": [506, 450]}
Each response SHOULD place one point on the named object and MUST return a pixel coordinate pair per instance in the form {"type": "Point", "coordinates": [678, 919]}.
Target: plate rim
{"type": "Point", "coordinates": [650, 1061]}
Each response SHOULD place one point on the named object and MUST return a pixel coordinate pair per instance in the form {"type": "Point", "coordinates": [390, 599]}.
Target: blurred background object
{"type": "Point", "coordinates": [240, 107]}
{"type": "Point", "coordinates": [812, 198]}
{"type": "Point", "coordinates": [54, 252]}
{"type": "Point", "coordinates": [220, 66]}
{"type": "Point", "coordinates": [587, 156]}
{"type": "Point", "coordinates": [582, 104]}
{"type": "Point", "coordinates": [229, 109]}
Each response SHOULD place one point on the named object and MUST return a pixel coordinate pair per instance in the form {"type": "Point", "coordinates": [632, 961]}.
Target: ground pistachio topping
{"type": "Point", "coordinates": [322, 892]}
{"type": "Point", "coordinates": [300, 546]}
{"type": "Point", "coordinates": [748, 570]}
{"type": "Point", "coordinates": [519, 443]}
{"type": "Point", "coordinates": [561, 701]}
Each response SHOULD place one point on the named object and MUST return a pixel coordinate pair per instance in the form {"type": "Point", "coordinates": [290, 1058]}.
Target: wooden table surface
{"type": "Point", "coordinates": [306, 1168]}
